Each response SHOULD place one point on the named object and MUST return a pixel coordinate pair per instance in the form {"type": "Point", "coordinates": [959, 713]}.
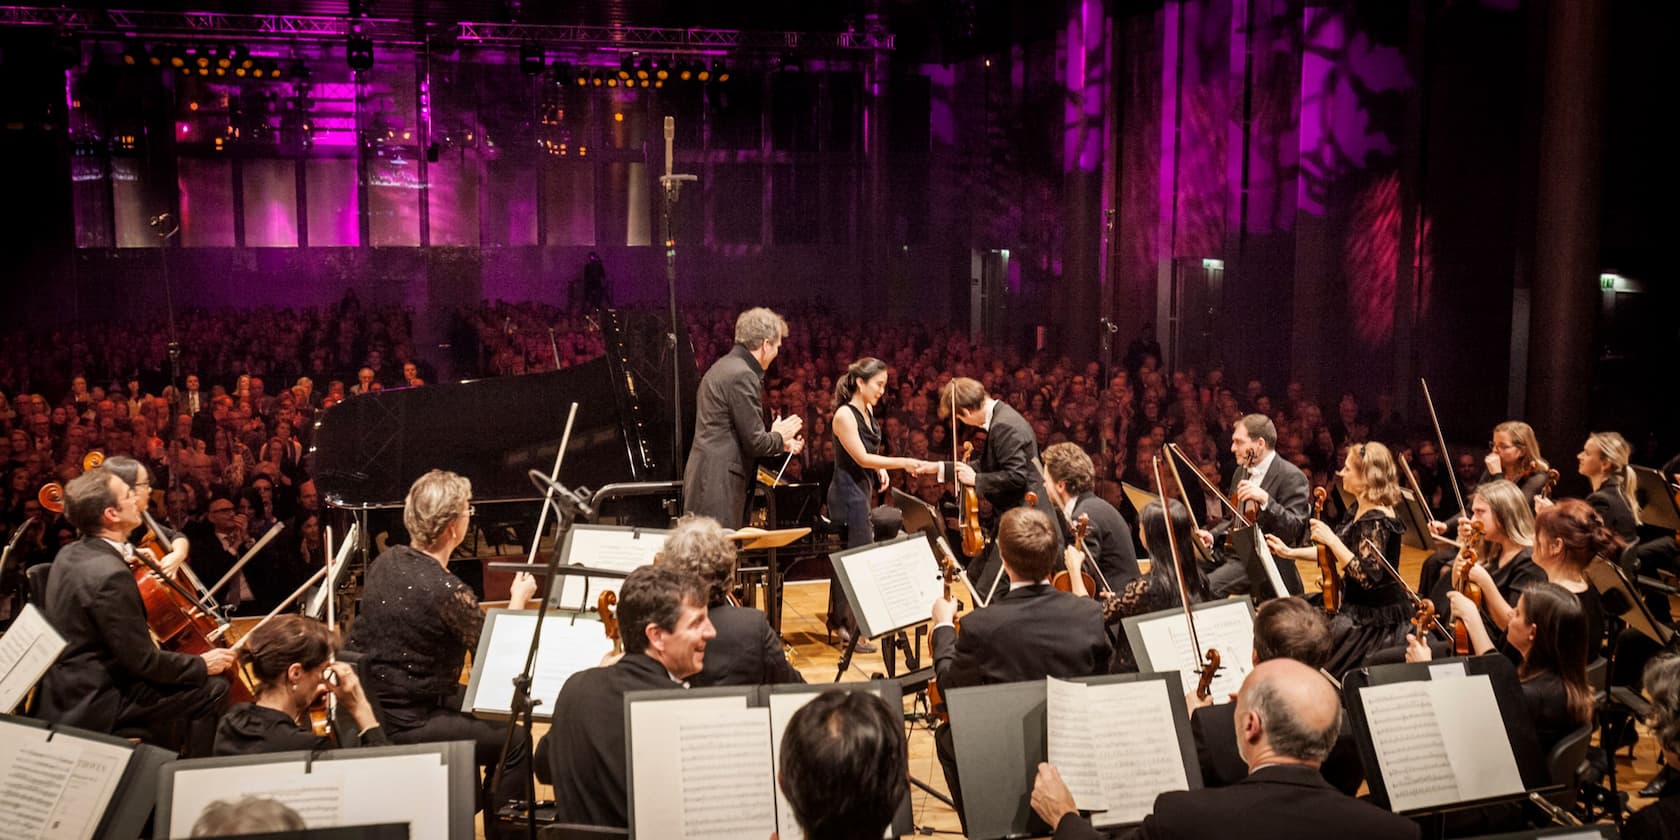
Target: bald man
{"type": "Point", "coordinates": [1287, 717]}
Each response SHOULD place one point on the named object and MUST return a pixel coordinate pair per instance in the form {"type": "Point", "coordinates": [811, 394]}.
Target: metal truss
{"type": "Point", "coordinates": [389, 31]}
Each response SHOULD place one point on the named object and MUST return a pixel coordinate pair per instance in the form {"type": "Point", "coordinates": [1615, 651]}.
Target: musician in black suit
{"type": "Point", "coordinates": [1027, 633]}
{"type": "Point", "coordinates": [1008, 466]}
{"type": "Point", "coordinates": [746, 651]}
{"type": "Point", "coordinates": [111, 674]}
{"type": "Point", "coordinates": [1262, 477]}
{"type": "Point", "coordinates": [729, 433]}
{"type": "Point", "coordinates": [1068, 473]}
{"type": "Point", "coordinates": [1288, 718]}
{"type": "Point", "coordinates": [666, 630]}
{"type": "Point", "coordinates": [1284, 628]}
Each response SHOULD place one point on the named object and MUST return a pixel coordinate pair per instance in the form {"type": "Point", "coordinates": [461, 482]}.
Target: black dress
{"type": "Point", "coordinates": [250, 729]}
{"type": "Point", "coordinates": [1375, 612]}
{"type": "Point", "coordinates": [849, 492]}
{"type": "Point", "coordinates": [1548, 706]}
{"type": "Point", "coordinates": [1139, 596]}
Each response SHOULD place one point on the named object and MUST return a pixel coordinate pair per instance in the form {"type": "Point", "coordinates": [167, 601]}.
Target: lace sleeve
{"type": "Point", "coordinates": [1132, 600]}
{"type": "Point", "coordinates": [1365, 538]}
{"type": "Point", "coordinates": [460, 613]}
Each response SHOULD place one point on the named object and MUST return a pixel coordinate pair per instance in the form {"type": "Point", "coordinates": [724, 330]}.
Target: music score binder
{"type": "Point", "coordinates": [709, 757]}
{"type": "Point", "coordinates": [611, 547]}
{"type": "Point", "coordinates": [1000, 734]}
{"type": "Point", "coordinates": [431, 787]}
{"type": "Point", "coordinates": [571, 642]}
{"type": "Point", "coordinates": [891, 584]}
{"type": "Point", "coordinates": [1161, 642]}
{"type": "Point", "coordinates": [59, 781]}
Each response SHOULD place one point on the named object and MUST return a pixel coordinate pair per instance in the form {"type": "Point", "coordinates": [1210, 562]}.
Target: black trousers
{"type": "Point", "coordinates": [179, 717]}
{"type": "Point", "coordinates": [437, 723]}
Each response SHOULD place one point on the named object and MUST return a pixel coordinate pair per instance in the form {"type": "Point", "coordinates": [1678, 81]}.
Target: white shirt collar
{"type": "Point", "coordinates": [1067, 509]}
{"type": "Point", "coordinates": [991, 408]}
{"type": "Point", "coordinates": [1259, 470]}
{"type": "Point", "coordinates": [121, 547]}
{"type": "Point", "coordinates": [1022, 584]}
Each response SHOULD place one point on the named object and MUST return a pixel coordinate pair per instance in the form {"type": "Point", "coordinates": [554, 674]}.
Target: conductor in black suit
{"type": "Point", "coordinates": [729, 433]}
{"type": "Point", "coordinates": [1068, 475]}
{"type": "Point", "coordinates": [1008, 468]}
{"type": "Point", "coordinates": [111, 674]}
{"type": "Point", "coordinates": [746, 651]}
{"type": "Point", "coordinates": [1029, 632]}
{"type": "Point", "coordinates": [1277, 486]}
{"type": "Point", "coordinates": [1287, 718]}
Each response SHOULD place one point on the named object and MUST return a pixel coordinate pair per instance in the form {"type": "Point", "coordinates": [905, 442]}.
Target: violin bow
{"type": "Point", "coordinates": [1178, 569]}
{"type": "Point", "coordinates": [1441, 440]}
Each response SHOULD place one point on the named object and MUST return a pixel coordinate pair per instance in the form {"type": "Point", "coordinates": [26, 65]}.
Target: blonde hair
{"type": "Point", "coordinates": [1614, 448]}
{"type": "Point", "coordinates": [1522, 436]}
{"type": "Point", "coordinates": [434, 500]}
{"type": "Point", "coordinates": [1376, 466]}
{"type": "Point", "coordinates": [1510, 507]}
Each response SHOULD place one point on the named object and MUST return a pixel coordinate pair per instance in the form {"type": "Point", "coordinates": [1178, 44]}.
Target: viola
{"type": "Point", "coordinates": [1551, 482]}
{"type": "Point", "coordinates": [968, 512]}
{"type": "Point", "coordinates": [1461, 582]}
{"type": "Point", "coordinates": [1329, 577]}
{"type": "Point", "coordinates": [1251, 508]}
{"type": "Point", "coordinates": [1210, 668]}
{"type": "Point", "coordinates": [1423, 618]}
{"type": "Point", "coordinates": [936, 699]}
{"type": "Point", "coordinates": [607, 607]}
{"type": "Point", "coordinates": [1064, 581]}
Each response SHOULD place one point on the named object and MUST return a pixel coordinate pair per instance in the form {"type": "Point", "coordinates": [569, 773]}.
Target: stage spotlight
{"type": "Point", "coordinates": [662, 70]}
{"type": "Point", "coordinates": [581, 77]}
{"type": "Point", "coordinates": [599, 77]}
{"type": "Point", "coordinates": [157, 56]}
{"type": "Point", "coordinates": [626, 67]}
{"type": "Point", "coordinates": [645, 70]}
{"type": "Point", "coordinates": [685, 70]}
{"type": "Point", "coordinates": [133, 55]}
{"type": "Point", "coordinates": [359, 52]}
{"type": "Point", "coordinates": [530, 59]}
{"type": "Point", "coordinates": [612, 81]}
{"type": "Point", "coordinates": [224, 58]}
{"type": "Point", "coordinates": [701, 73]}
{"type": "Point", "coordinates": [720, 73]}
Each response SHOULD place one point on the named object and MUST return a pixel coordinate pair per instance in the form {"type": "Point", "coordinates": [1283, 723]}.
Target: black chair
{"type": "Point", "coordinates": [1565, 764]}
{"type": "Point", "coordinates": [37, 576]}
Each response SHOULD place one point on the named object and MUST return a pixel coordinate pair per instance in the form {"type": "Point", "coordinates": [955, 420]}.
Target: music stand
{"type": "Point", "coordinates": [1656, 499]}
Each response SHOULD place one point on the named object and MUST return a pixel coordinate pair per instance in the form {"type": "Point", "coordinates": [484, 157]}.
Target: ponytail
{"type": "Point", "coordinates": [845, 387]}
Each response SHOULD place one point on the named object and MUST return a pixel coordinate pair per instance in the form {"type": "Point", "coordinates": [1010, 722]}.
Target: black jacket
{"type": "Point", "coordinates": [729, 435]}
{"type": "Point", "coordinates": [250, 729]}
{"type": "Point", "coordinates": [1109, 540]}
{"type": "Point", "coordinates": [93, 603]}
{"type": "Point", "coordinates": [1290, 506]}
{"type": "Point", "coordinates": [745, 652]}
{"type": "Point", "coordinates": [1025, 634]}
{"type": "Point", "coordinates": [1215, 730]}
{"type": "Point", "coordinates": [588, 754]}
{"type": "Point", "coordinates": [1618, 517]}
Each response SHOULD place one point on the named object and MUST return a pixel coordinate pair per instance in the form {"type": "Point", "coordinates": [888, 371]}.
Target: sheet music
{"type": "Point", "coordinates": [57, 789]}
{"type": "Point", "coordinates": [1140, 759]}
{"type": "Point", "coordinates": [1226, 627]}
{"type": "Point", "coordinates": [1415, 725]}
{"type": "Point", "coordinates": [1068, 725]}
{"type": "Point", "coordinates": [27, 649]}
{"type": "Point", "coordinates": [710, 754]}
{"type": "Point", "coordinates": [1268, 562]}
{"type": "Point", "coordinates": [567, 647]}
{"type": "Point", "coordinates": [599, 547]}
{"type": "Point", "coordinates": [894, 585]}
{"type": "Point", "coordinates": [345, 791]}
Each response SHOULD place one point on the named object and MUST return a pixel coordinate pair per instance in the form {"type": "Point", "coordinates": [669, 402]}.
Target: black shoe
{"type": "Point", "coordinates": [1665, 780]}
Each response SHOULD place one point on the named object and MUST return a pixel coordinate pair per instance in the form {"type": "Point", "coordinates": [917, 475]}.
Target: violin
{"type": "Point", "coordinates": [936, 699]}
{"type": "Point", "coordinates": [1250, 508]}
{"type": "Point", "coordinates": [968, 512]}
{"type": "Point", "coordinates": [1461, 582]}
{"type": "Point", "coordinates": [607, 607]}
{"type": "Point", "coordinates": [1329, 578]}
{"type": "Point", "coordinates": [1064, 581]}
{"type": "Point", "coordinates": [1551, 482]}
{"type": "Point", "coordinates": [1423, 618]}
{"type": "Point", "coordinates": [1204, 682]}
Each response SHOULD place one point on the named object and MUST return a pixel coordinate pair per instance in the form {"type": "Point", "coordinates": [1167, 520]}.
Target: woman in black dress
{"type": "Point", "coordinates": [1374, 608]}
{"type": "Point", "coordinates": [1156, 589]}
{"type": "Point", "coordinates": [290, 657]}
{"type": "Point", "coordinates": [859, 472]}
{"type": "Point", "coordinates": [1568, 535]}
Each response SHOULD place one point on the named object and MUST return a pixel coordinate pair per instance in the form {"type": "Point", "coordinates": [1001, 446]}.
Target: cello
{"type": "Point", "coordinates": [1329, 577]}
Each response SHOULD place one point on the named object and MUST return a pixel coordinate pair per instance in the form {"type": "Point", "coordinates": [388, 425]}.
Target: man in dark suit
{"type": "Point", "coordinates": [1288, 718]}
{"type": "Point", "coordinates": [216, 544]}
{"type": "Point", "coordinates": [1262, 478]}
{"type": "Point", "coordinates": [662, 613]}
{"type": "Point", "coordinates": [729, 433]}
{"type": "Point", "coordinates": [111, 675]}
{"type": "Point", "coordinates": [1284, 628]}
{"type": "Point", "coordinates": [1068, 475]}
{"type": "Point", "coordinates": [746, 650]}
{"type": "Point", "coordinates": [1008, 469]}
{"type": "Point", "coordinates": [1027, 633]}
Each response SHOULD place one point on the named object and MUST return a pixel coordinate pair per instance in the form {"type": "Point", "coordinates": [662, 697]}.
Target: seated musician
{"type": "Point", "coordinates": [663, 619]}
{"type": "Point", "coordinates": [1262, 478]}
{"type": "Point", "coordinates": [111, 674]}
{"type": "Point", "coordinates": [1027, 633]}
{"type": "Point", "coordinates": [746, 651]}
{"type": "Point", "coordinates": [291, 659]}
{"type": "Point", "coordinates": [137, 476]}
{"type": "Point", "coordinates": [1068, 475]}
{"type": "Point", "coordinates": [844, 766]}
{"type": "Point", "coordinates": [415, 626]}
{"type": "Point", "coordinates": [1660, 820]}
{"type": "Point", "coordinates": [1288, 718]}
{"type": "Point", "coordinates": [1513, 455]}
{"type": "Point", "coordinates": [1284, 628]}
{"type": "Point", "coordinates": [1158, 589]}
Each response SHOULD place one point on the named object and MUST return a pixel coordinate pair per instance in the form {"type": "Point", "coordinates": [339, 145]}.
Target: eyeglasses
{"type": "Point", "coordinates": [1496, 447]}
{"type": "Point", "coordinates": [470, 512]}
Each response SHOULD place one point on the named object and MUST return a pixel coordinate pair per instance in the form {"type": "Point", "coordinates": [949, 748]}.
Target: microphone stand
{"type": "Point", "coordinates": [568, 506]}
{"type": "Point", "coordinates": [673, 184]}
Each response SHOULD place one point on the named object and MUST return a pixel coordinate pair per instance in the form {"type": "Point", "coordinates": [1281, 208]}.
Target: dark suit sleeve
{"type": "Point", "coordinates": [1013, 457]}
{"type": "Point", "coordinates": [117, 612]}
{"type": "Point", "coordinates": [777, 669]}
{"type": "Point", "coordinates": [746, 414]}
{"type": "Point", "coordinates": [955, 658]}
{"type": "Point", "coordinates": [1204, 755]}
{"type": "Point", "coordinates": [1076, 827]}
{"type": "Point", "coordinates": [1288, 510]}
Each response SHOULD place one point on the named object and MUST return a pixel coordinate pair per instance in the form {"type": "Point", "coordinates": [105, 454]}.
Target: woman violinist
{"type": "Point", "coordinates": [1375, 609]}
{"type": "Point", "coordinates": [1567, 536]}
{"type": "Point", "coordinates": [1156, 589]}
{"type": "Point", "coordinates": [1603, 460]}
{"type": "Point", "coordinates": [291, 656]}
{"type": "Point", "coordinates": [1505, 562]}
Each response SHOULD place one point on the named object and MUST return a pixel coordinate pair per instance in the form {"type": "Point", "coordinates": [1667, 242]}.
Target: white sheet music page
{"type": "Point", "coordinates": [57, 789]}
{"type": "Point", "coordinates": [27, 649]}
{"type": "Point", "coordinates": [567, 648]}
{"type": "Point", "coordinates": [1410, 746]}
{"type": "Point", "coordinates": [1067, 724]}
{"type": "Point", "coordinates": [1477, 747]}
{"type": "Point", "coordinates": [895, 585]}
{"type": "Point", "coordinates": [614, 549]}
{"type": "Point", "coordinates": [700, 768]}
{"type": "Point", "coordinates": [1141, 759]}
{"type": "Point", "coordinates": [348, 790]}
{"type": "Point", "coordinates": [1227, 627]}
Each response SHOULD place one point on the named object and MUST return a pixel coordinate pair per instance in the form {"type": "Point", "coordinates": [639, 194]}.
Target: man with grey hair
{"type": "Point", "coordinates": [1287, 720]}
{"type": "Point", "coordinates": [729, 433]}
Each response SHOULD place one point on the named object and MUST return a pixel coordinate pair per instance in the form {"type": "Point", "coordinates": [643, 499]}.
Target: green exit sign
{"type": "Point", "coordinates": [1213, 265]}
{"type": "Point", "coordinates": [1607, 282]}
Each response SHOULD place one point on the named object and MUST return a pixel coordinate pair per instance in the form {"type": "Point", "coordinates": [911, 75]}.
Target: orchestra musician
{"type": "Point", "coordinates": [1027, 633]}
{"type": "Point", "coordinates": [1158, 589]}
{"type": "Point", "coordinates": [663, 614]}
{"type": "Point", "coordinates": [111, 675]}
{"type": "Point", "coordinates": [729, 433]}
{"type": "Point", "coordinates": [1660, 820]}
{"type": "Point", "coordinates": [844, 766]}
{"type": "Point", "coordinates": [291, 657]}
{"type": "Point", "coordinates": [415, 626]}
{"type": "Point", "coordinates": [136, 475]}
{"type": "Point", "coordinates": [1262, 478]}
{"type": "Point", "coordinates": [1068, 477]}
{"type": "Point", "coordinates": [1513, 455]}
{"type": "Point", "coordinates": [1375, 609]}
{"type": "Point", "coordinates": [1008, 467]}
{"type": "Point", "coordinates": [1603, 460]}
{"type": "Point", "coordinates": [746, 651]}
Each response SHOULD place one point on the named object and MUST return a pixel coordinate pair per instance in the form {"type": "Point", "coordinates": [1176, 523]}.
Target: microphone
{"type": "Point", "coordinates": [576, 501]}
{"type": "Point", "coordinates": [670, 136]}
